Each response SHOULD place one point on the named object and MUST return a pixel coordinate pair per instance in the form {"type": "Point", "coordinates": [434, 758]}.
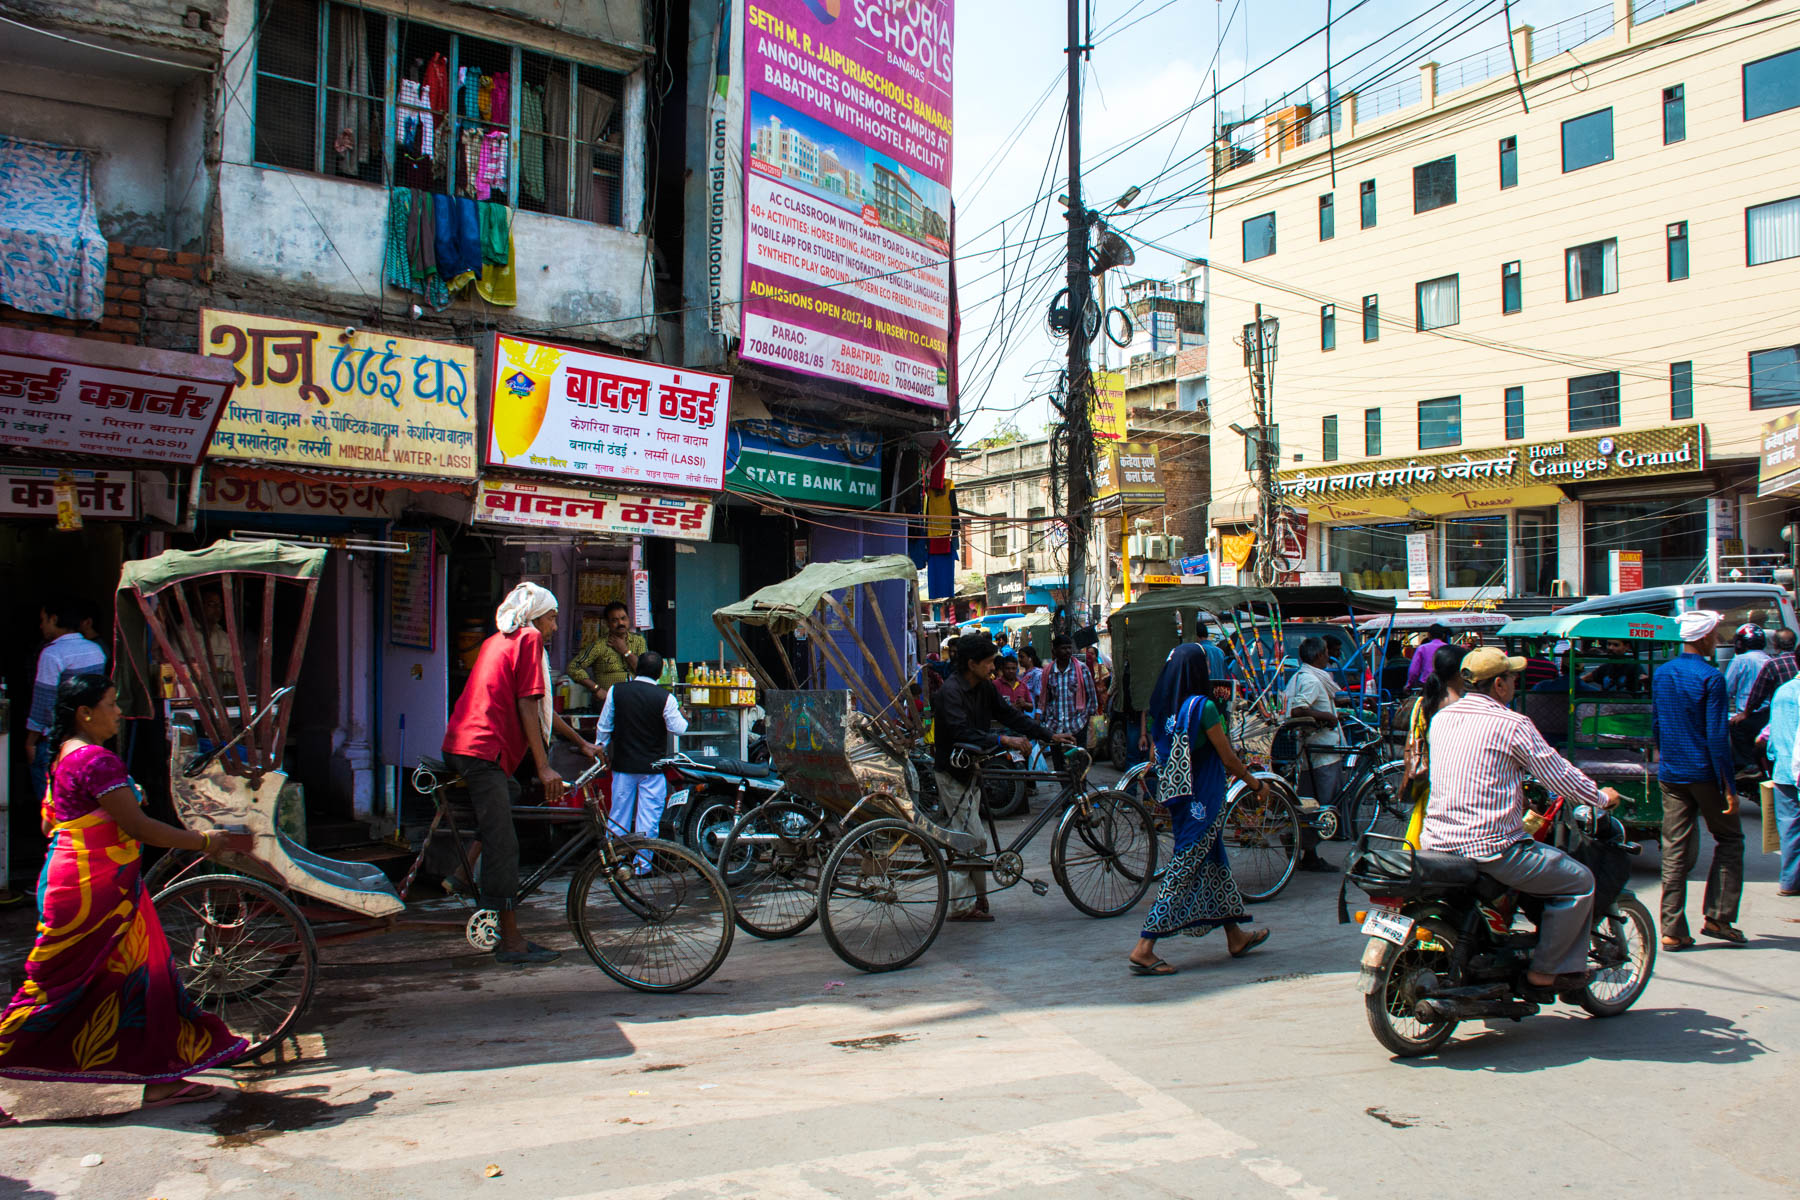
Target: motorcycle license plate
{"type": "Point", "coordinates": [1388, 926]}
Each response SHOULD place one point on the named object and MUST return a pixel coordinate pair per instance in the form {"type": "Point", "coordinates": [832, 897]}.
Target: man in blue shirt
{"type": "Point", "coordinates": [1747, 658]}
{"type": "Point", "coordinates": [1695, 771]}
{"type": "Point", "coordinates": [1784, 725]}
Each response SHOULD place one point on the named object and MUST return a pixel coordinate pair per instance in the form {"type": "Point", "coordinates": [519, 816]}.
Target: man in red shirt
{"type": "Point", "coordinates": [503, 714]}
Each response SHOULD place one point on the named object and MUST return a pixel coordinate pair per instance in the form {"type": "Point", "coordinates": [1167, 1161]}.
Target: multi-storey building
{"type": "Point", "coordinates": [1010, 539]}
{"type": "Point", "coordinates": [1545, 323]}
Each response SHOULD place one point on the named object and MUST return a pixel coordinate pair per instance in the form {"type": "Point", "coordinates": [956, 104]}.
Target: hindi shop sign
{"type": "Point", "coordinates": [765, 466]}
{"type": "Point", "coordinates": [32, 493]}
{"type": "Point", "coordinates": [581, 510]}
{"type": "Point", "coordinates": [847, 192]}
{"type": "Point", "coordinates": [570, 412]}
{"type": "Point", "coordinates": [1780, 468]}
{"type": "Point", "coordinates": [1127, 477]}
{"type": "Point", "coordinates": [369, 402]}
{"type": "Point", "coordinates": [75, 396]}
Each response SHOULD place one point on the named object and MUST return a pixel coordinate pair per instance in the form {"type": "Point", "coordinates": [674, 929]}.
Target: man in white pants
{"type": "Point", "coordinates": [635, 725]}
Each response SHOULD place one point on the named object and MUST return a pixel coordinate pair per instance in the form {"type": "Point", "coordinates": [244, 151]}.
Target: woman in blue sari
{"type": "Point", "coordinates": [1193, 755]}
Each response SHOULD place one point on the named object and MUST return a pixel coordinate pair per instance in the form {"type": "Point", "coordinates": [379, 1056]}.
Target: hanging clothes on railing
{"type": "Point", "coordinates": [498, 283]}
{"type": "Point", "coordinates": [531, 143]}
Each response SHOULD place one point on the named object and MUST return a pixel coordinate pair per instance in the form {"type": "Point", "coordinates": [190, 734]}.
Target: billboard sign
{"type": "Point", "coordinates": [847, 192]}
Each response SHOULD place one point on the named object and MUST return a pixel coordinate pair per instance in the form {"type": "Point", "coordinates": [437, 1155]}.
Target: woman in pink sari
{"type": "Point", "coordinates": [101, 1001]}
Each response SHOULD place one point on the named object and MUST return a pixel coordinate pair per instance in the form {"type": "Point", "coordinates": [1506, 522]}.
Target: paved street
{"type": "Point", "coordinates": [1017, 1058]}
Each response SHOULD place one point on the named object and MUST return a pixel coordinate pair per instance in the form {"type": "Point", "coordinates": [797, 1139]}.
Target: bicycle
{"type": "Point", "coordinates": [1261, 834]}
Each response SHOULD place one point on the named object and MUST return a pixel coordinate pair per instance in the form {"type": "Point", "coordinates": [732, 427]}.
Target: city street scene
{"type": "Point", "coordinates": [594, 607]}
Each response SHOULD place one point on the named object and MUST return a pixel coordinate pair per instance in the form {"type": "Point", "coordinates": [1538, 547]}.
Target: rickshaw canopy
{"type": "Point", "coordinates": [1625, 627]}
{"type": "Point", "coordinates": [147, 576]}
{"type": "Point", "coordinates": [1155, 624]}
{"type": "Point", "coordinates": [782, 606]}
{"type": "Point", "coordinates": [1321, 601]}
{"type": "Point", "coordinates": [1412, 620]}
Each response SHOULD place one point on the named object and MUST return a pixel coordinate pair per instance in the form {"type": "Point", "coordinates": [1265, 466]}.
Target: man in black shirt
{"type": "Point", "coordinates": [964, 711]}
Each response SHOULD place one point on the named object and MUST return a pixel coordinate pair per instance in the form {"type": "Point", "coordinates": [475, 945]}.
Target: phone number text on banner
{"type": "Point", "coordinates": [847, 198]}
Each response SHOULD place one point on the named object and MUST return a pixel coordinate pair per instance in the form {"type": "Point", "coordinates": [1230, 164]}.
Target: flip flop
{"type": "Point", "coordinates": [1159, 967]}
{"type": "Point", "coordinates": [974, 914]}
{"type": "Point", "coordinates": [1256, 939]}
{"type": "Point", "coordinates": [1725, 933]}
{"type": "Point", "coordinates": [192, 1093]}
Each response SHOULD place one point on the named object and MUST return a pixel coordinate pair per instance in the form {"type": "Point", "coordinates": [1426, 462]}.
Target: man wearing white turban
{"type": "Point", "coordinates": [503, 714]}
{"type": "Point", "coordinates": [1694, 767]}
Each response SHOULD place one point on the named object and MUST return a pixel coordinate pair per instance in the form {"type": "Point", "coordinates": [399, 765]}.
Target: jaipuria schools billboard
{"type": "Point", "coordinates": [847, 192]}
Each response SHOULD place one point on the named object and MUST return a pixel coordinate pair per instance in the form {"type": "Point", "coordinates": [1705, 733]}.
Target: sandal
{"type": "Point", "coordinates": [191, 1093]}
{"type": "Point", "coordinates": [974, 914]}
{"type": "Point", "coordinates": [1256, 939]}
{"type": "Point", "coordinates": [1159, 967]}
{"type": "Point", "coordinates": [1673, 944]}
{"type": "Point", "coordinates": [1725, 933]}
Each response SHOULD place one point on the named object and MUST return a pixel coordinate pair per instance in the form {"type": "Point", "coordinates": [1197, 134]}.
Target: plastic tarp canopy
{"type": "Point", "coordinates": [782, 606]}
{"type": "Point", "coordinates": [1625, 627]}
{"type": "Point", "coordinates": [1326, 600]}
{"type": "Point", "coordinates": [147, 576]}
{"type": "Point", "coordinates": [1155, 624]}
{"type": "Point", "coordinates": [1411, 620]}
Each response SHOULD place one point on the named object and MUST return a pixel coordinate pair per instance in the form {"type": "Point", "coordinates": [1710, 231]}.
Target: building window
{"type": "Point", "coordinates": [1369, 557]}
{"type": "Point", "coordinates": [997, 543]}
{"type": "Point", "coordinates": [324, 98]}
{"type": "Point", "coordinates": [1594, 401]}
{"type": "Point", "coordinates": [1368, 203]}
{"type": "Point", "coordinates": [1270, 345]}
{"type": "Point", "coordinates": [1371, 318]}
{"type": "Point", "coordinates": [1678, 251]}
{"type": "Point", "coordinates": [1775, 378]}
{"type": "Point", "coordinates": [1772, 85]}
{"type": "Point", "coordinates": [1509, 162]}
{"type": "Point", "coordinates": [1328, 439]}
{"type": "Point", "coordinates": [1434, 184]}
{"type": "Point", "coordinates": [1440, 423]}
{"type": "Point", "coordinates": [1250, 444]}
{"type": "Point", "coordinates": [1327, 218]}
{"type": "Point", "coordinates": [1593, 269]}
{"type": "Point", "coordinates": [1438, 302]}
{"type": "Point", "coordinates": [1674, 115]}
{"type": "Point", "coordinates": [1259, 237]}
{"type": "Point", "coordinates": [1772, 231]}
{"type": "Point", "coordinates": [1587, 140]}
{"type": "Point", "coordinates": [1512, 288]}
{"type": "Point", "coordinates": [1371, 432]}
{"type": "Point", "coordinates": [1671, 533]}
{"type": "Point", "coordinates": [1328, 327]}
{"type": "Point", "coordinates": [1475, 553]}
{"type": "Point", "coordinates": [1681, 391]}
{"type": "Point", "coordinates": [1515, 413]}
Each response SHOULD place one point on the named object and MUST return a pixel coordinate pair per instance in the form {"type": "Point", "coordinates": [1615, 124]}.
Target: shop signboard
{"type": "Point", "coordinates": [75, 396]}
{"type": "Point", "coordinates": [227, 491]}
{"type": "Point", "coordinates": [412, 581]}
{"type": "Point", "coordinates": [799, 467]}
{"type": "Point", "coordinates": [1195, 564]}
{"type": "Point", "coordinates": [1525, 474]}
{"type": "Point", "coordinates": [1627, 570]}
{"type": "Point", "coordinates": [1780, 468]}
{"type": "Point", "coordinates": [1109, 413]}
{"type": "Point", "coordinates": [344, 398]}
{"type": "Point", "coordinates": [1157, 580]}
{"type": "Point", "coordinates": [1126, 477]}
{"type": "Point", "coordinates": [562, 411]}
{"type": "Point", "coordinates": [1321, 578]}
{"type": "Point", "coordinates": [1005, 587]}
{"type": "Point", "coordinates": [847, 192]}
{"type": "Point", "coordinates": [1418, 564]}
{"type": "Point", "coordinates": [25, 492]}
{"type": "Point", "coordinates": [586, 511]}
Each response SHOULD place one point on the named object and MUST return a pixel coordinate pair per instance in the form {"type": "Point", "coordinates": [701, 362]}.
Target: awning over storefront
{"type": "Point", "coordinates": [66, 396]}
{"type": "Point", "coordinates": [1780, 467]}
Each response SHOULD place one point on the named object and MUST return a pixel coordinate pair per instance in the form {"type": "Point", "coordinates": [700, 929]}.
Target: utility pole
{"type": "Point", "coordinates": [1267, 499]}
{"type": "Point", "coordinates": [1079, 396]}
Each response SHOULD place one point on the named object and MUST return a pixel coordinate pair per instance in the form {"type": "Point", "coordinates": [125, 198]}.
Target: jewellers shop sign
{"type": "Point", "coordinates": [1678, 449]}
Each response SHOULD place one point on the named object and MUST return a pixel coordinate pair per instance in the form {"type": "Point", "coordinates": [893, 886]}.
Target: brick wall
{"type": "Point", "coordinates": [153, 298]}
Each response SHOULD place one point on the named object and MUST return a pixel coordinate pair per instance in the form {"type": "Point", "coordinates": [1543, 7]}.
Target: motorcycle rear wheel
{"type": "Point", "coordinates": [1612, 990]}
{"type": "Point", "coordinates": [1390, 1005]}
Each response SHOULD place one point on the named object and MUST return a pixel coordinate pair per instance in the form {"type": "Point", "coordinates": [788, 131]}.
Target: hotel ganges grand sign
{"type": "Point", "coordinates": [308, 395]}
{"type": "Point", "coordinates": [1469, 481]}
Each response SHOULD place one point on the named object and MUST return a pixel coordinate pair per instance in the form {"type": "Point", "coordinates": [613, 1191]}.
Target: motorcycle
{"type": "Point", "coordinates": [1443, 948]}
{"type": "Point", "coordinates": [708, 795]}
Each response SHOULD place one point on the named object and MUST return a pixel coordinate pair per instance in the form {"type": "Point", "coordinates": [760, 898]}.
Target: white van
{"type": "Point", "coordinates": [1766, 604]}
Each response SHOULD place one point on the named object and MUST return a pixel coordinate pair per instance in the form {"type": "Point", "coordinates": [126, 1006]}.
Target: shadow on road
{"type": "Point", "coordinates": [1648, 1035]}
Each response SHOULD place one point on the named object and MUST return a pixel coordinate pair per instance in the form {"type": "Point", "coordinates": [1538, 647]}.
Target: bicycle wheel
{"type": "Point", "coordinates": [1105, 855]}
{"type": "Point", "coordinates": [243, 953]}
{"type": "Point", "coordinates": [778, 852]}
{"type": "Point", "coordinates": [662, 930]}
{"type": "Point", "coordinates": [1378, 807]}
{"type": "Point", "coordinates": [172, 865]}
{"type": "Point", "coordinates": [884, 895]}
{"type": "Point", "coordinates": [1261, 838]}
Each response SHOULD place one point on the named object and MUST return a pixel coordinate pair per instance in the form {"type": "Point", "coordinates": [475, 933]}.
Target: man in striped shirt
{"type": "Point", "coordinates": [1481, 752]}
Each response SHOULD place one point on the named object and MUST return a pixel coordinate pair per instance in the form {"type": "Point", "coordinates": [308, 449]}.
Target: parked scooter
{"type": "Point", "coordinates": [1443, 947]}
{"type": "Point", "coordinates": [708, 795]}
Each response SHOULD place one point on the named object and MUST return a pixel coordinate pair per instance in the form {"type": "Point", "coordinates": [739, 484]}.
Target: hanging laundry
{"type": "Point", "coordinates": [484, 98]}
{"type": "Point", "coordinates": [469, 96]}
{"type": "Point", "coordinates": [940, 508]}
{"type": "Point", "coordinates": [491, 172]}
{"type": "Point", "coordinates": [503, 98]}
{"type": "Point", "coordinates": [469, 162]}
{"type": "Point", "coordinates": [496, 233]}
{"type": "Point", "coordinates": [940, 577]}
{"type": "Point", "coordinates": [397, 263]}
{"type": "Point", "coordinates": [531, 145]}
{"type": "Point", "coordinates": [437, 84]}
{"type": "Point", "coordinates": [499, 282]}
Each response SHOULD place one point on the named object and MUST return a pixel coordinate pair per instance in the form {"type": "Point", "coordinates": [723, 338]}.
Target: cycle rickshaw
{"type": "Point", "coordinates": [861, 843]}
{"type": "Point", "coordinates": [245, 928]}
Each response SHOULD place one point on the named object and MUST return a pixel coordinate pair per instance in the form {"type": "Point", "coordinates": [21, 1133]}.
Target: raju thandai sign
{"type": "Point", "coordinates": [1522, 471]}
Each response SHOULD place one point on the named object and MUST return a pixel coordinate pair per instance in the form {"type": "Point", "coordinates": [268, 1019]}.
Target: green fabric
{"type": "Point", "coordinates": [398, 267]}
{"type": "Point", "coordinates": [1210, 715]}
{"type": "Point", "coordinates": [1625, 627]}
{"type": "Point", "coordinates": [496, 233]}
{"type": "Point", "coordinates": [531, 158]}
{"type": "Point", "coordinates": [782, 606]}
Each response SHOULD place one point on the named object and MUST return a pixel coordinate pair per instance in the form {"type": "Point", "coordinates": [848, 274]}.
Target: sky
{"type": "Point", "coordinates": [1153, 60]}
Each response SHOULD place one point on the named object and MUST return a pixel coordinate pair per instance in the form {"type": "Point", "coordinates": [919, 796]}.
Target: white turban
{"type": "Point", "coordinates": [523, 605]}
{"type": "Point", "coordinates": [1698, 622]}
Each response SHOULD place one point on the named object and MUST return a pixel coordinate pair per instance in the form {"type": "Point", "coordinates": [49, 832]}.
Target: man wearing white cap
{"type": "Point", "coordinates": [503, 714]}
{"type": "Point", "coordinates": [1481, 751]}
{"type": "Point", "coordinates": [1694, 767]}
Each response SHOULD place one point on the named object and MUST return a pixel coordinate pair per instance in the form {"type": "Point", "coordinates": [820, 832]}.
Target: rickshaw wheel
{"type": "Point", "coordinates": [242, 952]}
{"type": "Point", "coordinates": [1104, 856]}
{"type": "Point", "coordinates": [661, 931]}
{"type": "Point", "coordinates": [884, 895]}
{"type": "Point", "coordinates": [775, 878]}
{"type": "Point", "coordinates": [1261, 838]}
